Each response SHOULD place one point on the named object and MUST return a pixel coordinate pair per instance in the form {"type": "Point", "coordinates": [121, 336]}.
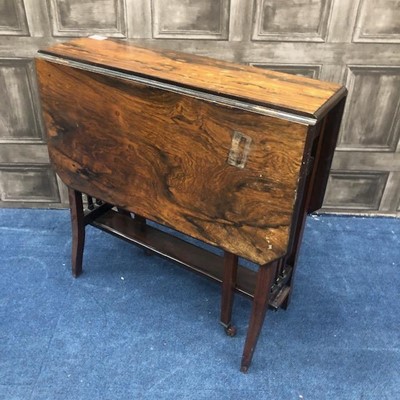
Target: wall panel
{"type": "Point", "coordinates": [291, 20]}
{"type": "Point", "coordinates": [19, 114]}
{"type": "Point", "coordinates": [378, 21]}
{"type": "Point", "coordinates": [13, 18]}
{"type": "Point", "coordinates": [28, 184]}
{"type": "Point", "coordinates": [84, 17]}
{"type": "Point", "coordinates": [190, 19]}
{"type": "Point", "coordinates": [355, 190]}
{"type": "Point", "coordinates": [372, 121]}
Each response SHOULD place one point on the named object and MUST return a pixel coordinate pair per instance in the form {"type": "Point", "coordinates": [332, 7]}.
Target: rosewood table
{"type": "Point", "coordinates": [232, 155]}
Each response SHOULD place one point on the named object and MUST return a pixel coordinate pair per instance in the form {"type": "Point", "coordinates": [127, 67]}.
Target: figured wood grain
{"type": "Point", "coordinates": [164, 156]}
{"type": "Point", "coordinates": [273, 89]}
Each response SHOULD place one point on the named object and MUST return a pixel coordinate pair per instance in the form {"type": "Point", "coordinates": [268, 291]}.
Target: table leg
{"type": "Point", "coordinates": [78, 230]}
{"type": "Point", "coordinates": [265, 279]}
{"type": "Point", "coordinates": [228, 292]}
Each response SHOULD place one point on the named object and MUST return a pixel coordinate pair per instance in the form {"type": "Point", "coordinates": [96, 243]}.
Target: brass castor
{"type": "Point", "coordinates": [231, 330]}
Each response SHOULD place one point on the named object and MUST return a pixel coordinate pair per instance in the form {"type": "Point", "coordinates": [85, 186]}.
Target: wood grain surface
{"type": "Point", "coordinates": [165, 157]}
{"type": "Point", "coordinates": [277, 90]}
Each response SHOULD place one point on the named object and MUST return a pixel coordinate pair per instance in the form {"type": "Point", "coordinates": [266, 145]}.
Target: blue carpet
{"type": "Point", "coordinates": [138, 327]}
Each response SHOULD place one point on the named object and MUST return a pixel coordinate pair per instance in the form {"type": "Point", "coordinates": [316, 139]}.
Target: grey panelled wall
{"type": "Point", "coordinates": [354, 42]}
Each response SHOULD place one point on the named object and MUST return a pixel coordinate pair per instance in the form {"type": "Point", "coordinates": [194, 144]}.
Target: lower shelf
{"type": "Point", "coordinates": [172, 248]}
{"type": "Point", "coordinates": [175, 249]}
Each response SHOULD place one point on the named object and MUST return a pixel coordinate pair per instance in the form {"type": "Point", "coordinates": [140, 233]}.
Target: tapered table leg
{"type": "Point", "coordinates": [228, 291]}
{"type": "Point", "coordinates": [265, 279]}
{"type": "Point", "coordinates": [78, 230]}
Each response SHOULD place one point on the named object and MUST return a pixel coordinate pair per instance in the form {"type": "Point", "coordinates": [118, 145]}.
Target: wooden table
{"type": "Point", "coordinates": [229, 154]}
